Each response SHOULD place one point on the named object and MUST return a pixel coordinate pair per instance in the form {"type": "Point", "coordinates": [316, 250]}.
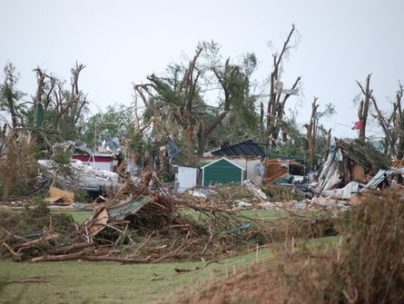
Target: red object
{"type": "Point", "coordinates": [359, 125]}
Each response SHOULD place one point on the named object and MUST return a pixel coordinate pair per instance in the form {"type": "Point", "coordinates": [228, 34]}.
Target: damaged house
{"type": "Point", "coordinates": [349, 160]}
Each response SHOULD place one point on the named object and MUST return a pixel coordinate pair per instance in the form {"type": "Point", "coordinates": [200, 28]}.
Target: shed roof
{"type": "Point", "coordinates": [226, 159]}
{"type": "Point", "coordinates": [245, 148]}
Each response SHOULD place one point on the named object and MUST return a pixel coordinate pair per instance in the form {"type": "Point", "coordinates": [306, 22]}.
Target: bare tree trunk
{"type": "Point", "coordinates": [275, 107]}
{"type": "Point", "coordinates": [364, 108]}
{"type": "Point", "coordinates": [312, 135]}
{"type": "Point", "coordinates": [399, 122]}
{"type": "Point", "coordinates": [262, 127]}
{"type": "Point", "coordinates": [393, 126]}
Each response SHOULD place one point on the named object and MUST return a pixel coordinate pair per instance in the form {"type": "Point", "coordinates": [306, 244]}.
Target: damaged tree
{"type": "Point", "coordinates": [54, 107]}
{"type": "Point", "coordinates": [10, 97]}
{"type": "Point", "coordinates": [70, 105]}
{"type": "Point", "coordinates": [318, 139]}
{"type": "Point", "coordinates": [175, 104]}
{"type": "Point", "coordinates": [312, 134]}
{"type": "Point", "coordinates": [393, 125]}
{"type": "Point", "coordinates": [363, 109]}
{"type": "Point", "coordinates": [276, 103]}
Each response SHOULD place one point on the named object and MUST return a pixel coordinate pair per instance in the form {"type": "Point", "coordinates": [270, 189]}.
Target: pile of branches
{"type": "Point", "coordinates": [144, 228]}
{"type": "Point", "coordinates": [35, 231]}
{"type": "Point", "coordinates": [141, 226]}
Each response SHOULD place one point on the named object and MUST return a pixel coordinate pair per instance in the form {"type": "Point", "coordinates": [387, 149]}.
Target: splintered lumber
{"type": "Point", "coordinates": [98, 221]}
{"type": "Point", "coordinates": [59, 195]}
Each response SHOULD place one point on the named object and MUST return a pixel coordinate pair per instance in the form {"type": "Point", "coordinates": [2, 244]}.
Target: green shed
{"type": "Point", "coordinates": [222, 171]}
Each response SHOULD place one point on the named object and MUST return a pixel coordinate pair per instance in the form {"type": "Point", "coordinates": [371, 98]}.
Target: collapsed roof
{"type": "Point", "coordinates": [349, 160]}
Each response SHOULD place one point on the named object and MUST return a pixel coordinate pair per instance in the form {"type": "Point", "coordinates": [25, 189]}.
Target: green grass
{"type": "Point", "coordinates": [78, 216]}
{"type": "Point", "coordinates": [104, 282]}
{"type": "Point", "coordinates": [265, 215]}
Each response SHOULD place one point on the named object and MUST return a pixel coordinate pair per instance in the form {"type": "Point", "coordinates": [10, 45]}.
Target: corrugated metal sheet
{"type": "Point", "coordinates": [245, 148]}
{"type": "Point", "coordinates": [121, 211]}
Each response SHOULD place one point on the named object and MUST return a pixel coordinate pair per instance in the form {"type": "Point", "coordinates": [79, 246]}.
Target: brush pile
{"type": "Point", "coordinates": [138, 226]}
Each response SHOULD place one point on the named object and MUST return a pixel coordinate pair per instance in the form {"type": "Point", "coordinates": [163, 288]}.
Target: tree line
{"type": "Point", "coordinates": [200, 103]}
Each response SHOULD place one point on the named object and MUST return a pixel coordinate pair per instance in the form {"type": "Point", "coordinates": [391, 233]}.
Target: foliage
{"type": "Point", "coordinates": [36, 220]}
{"type": "Point", "coordinates": [178, 103]}
{"type": "Point", "coordinates": [18, 166]}
{"type": "Point", "coordinates": [114, 122]}
{"type": "Point", "coordinates": [371, 268]}
{"type": "Point", "coordinates": [61, 157]}
{"type": "Point", "coordinates": [295, 146]}
{"type": "Point", "coordinates": [10, 96]}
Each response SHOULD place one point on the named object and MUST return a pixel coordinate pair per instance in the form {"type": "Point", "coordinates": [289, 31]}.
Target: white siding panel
{"type": "Point", "coordinates": [187, 178]}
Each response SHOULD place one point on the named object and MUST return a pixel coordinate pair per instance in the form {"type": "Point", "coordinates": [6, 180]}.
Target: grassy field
{"type": "Point", "coordinates": [104, 282]}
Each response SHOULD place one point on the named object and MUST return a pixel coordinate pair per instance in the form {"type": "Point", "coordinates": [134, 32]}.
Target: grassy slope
{"type": "Point", "coordinates": [103, 282]}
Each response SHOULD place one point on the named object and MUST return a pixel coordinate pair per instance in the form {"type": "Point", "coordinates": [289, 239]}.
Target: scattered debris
{"type": "Point", "coordinates": [76, 174]}
{"type": "Point", "coordinates": [257, 192]}
{"type": "Point", "coordinates": [348, 160]}
{"type": "Point", "coordinates": [145, 228]}
{"type": "Point", "coordinates": [285, 169]}
{"type": "Point", "coordinates": [60, 197]}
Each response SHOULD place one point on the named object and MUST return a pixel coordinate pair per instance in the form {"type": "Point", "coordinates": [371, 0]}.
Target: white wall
{"type": "Point", "coordinates": [187, 178]}
{"type": "Point", "coordinates": [99, 165]}
{"type": "Point", "coordinates": [249, 166]}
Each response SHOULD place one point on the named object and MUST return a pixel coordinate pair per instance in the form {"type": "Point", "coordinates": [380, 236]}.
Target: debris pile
{"type": "Point", "coordinates": [142, 228]}
{"type": "Point", "coordinates": [349, 160]}
{"type": "Point", "coordinates": [76, 174]}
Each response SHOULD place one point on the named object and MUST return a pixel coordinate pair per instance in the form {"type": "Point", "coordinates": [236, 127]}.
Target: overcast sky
{"type": "Point", "coordinates": [121, 42]}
